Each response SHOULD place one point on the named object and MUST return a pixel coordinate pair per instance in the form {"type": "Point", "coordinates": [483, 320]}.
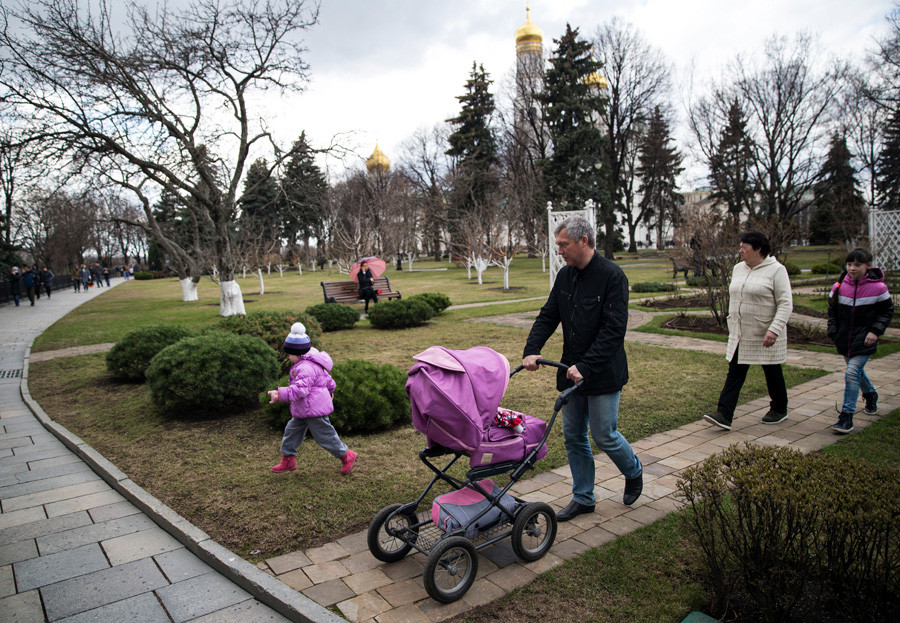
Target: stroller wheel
{"type": "Point", "coordinates": [391, 538]}
{"type": "Point", "coordinates": [534, 531]}
{"type": "Point", "coordinates": [450, 569]}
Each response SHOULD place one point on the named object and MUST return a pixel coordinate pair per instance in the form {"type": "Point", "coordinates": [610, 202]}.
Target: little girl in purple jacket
{"type": "Point", "coordinates": [310, 393]}
{"type": "Point", "coordinates": [859, 311]}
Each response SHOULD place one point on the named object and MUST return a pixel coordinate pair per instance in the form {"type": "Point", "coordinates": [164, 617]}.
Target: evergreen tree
{"type": "Point", "coordinates": [840, 209]}
{"type": "Point", "coordinates": [474, 145]}
{"type": "Point", "coordinates": [573, 109]}
{"type": "Point", "coordinates": [303, 195]}
{"type": "Point", "coordinates": [259, 201]}
{"type": "Point", "coordinates": [660, 163]}
{"type": "Point", "coordinates": [888, 166]}
{"type": "Point", "coordinates": [731, 167]}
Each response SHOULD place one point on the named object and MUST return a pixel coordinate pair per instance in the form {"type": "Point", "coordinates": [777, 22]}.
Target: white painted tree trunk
{"type": "Point", "coordinates": [188, 290]}
{"type": "Point", "coordinates": [244, 273]}
{"type": "Point", "coordinates": [215, 273]}
{"type": "Point", "coordinates": [504, 265]}
{"type": "Point", "coordinates": [300, 268]}
{"type": "Point", "coordinates": [269, 268]}
{"type": "Point", "coordinates": [411, 257]}
{"type": "Point", "coordinates": [481, 265]}
{"type": "Point", "coordinates": [262, 284]}
{"type": "Point", "coordinates": [543, 262]}
{"type": "Point", "coordinates": [280, 270]}
{"type": "Point", "coordinates": [231, 301]}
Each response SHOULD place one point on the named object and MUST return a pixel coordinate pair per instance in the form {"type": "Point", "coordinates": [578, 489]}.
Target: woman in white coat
{"type": "Point", "coordinates": [758, 312]}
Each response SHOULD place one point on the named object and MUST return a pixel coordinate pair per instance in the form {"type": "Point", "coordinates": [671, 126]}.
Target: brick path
{"type": "Point", "coordinates": [162, 574]}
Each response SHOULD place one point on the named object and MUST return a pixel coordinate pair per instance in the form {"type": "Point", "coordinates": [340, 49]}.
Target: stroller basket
{"type": "Point", "coordinates": [455, 398]}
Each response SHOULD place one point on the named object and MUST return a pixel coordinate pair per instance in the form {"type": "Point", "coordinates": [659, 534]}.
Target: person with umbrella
{"type": "Point", "coordinates": [366, 284]}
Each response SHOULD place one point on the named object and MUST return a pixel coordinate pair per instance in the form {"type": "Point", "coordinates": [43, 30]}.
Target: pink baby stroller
{"type": "Point", "coordinates": [455, 399]}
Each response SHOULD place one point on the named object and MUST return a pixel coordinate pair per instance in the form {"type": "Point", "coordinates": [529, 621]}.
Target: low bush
{"type": "Point", "coordinates": [792, 269]}
{"type": "Point", "coordinates": [834, 268]}
{"type": "Point", "coordinates": [214, 373]}
{"type": "Point", "coordinates": [333, 316]}
{"type": "Point", "coordinates": [144, 275]}
{"type": "Point", "coordinates": [272, 327]}
{"type": "Point", "coordinates": [369, 398]}
{"type": "Point", "coordinates": [783, 532]}
{"type": "Point", "coordinates": [698, 282]}
{"type": "Point", "coordinates": [400, 314]}
{"type": "Point", "coordinates": [129, 357]}
{"type": "Point", "coordinates": [652, 287]}
{"type": "Point", "coordinates": [439, 302]}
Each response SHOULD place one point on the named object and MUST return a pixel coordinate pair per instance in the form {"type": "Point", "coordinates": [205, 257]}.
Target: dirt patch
{"type": "Point", "coordinates": [676, 302]}
{"type": "Point", "coordinates": [796, 334]}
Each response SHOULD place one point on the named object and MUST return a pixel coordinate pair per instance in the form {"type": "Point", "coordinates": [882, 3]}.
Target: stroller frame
{"type": "Point", "coordinates": [452, 562]}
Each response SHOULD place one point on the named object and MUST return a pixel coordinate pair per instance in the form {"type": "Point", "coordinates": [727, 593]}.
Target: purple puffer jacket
{"type": "Point", "coordinates": [311, 386]}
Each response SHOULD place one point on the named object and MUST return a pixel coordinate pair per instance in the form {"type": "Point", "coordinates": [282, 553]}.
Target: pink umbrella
{"type": "Point", "coordinates": [376, 265]}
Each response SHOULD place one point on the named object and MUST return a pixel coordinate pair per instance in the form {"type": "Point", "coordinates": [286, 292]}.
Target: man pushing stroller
{"type": "Point", "coordinates": [590, 299]}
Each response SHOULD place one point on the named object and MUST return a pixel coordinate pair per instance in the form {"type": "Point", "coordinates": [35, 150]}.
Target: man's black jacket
{"type": "Point", "coordinates": [592, 305]}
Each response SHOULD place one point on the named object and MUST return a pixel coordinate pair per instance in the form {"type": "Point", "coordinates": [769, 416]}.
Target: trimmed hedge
{"type": "Point", "coordinates": [213, 373]}
{"type": "Point", "coordinates": [143, 275]}
{"type": "Point", "coordinates": [272, 327]}
{"type": "Point", "coordinates": [410, 312]}
{"type": "Point", "coordinates": [333, 316]}
{"type": "Point", "coordinates": [792, 269]}
{"type": "Point", "coordinates": [369, 398]}
{"type": "Point", "coordinates": [701, 281]}
{"type": "Point", "coordinates": [652, 287]}
{"type": "Point", "coordinates": [834, 268]}
{"type": "Point", "coordinates": [781, 531]}
{"type": "Point", "coordinates": [439, 302]}
{"type": "Point", "coordinates": [131, 355]}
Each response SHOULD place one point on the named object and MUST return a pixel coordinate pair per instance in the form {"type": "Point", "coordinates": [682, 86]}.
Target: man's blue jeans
{"type": "Point", "coordinates": [855, 379]}
{"type": "Point", "coordinates": [600, 414]}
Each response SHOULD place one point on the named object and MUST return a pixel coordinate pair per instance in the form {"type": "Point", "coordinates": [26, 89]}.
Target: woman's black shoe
{"type": "Point", "coordinates": [572, 510]}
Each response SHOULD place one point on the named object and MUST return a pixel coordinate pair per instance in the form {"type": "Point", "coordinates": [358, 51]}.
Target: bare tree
{"type": "Point", "coordinates": [639, 79]}
{"type": "Point", "coordinates": [165, 103]}
{"type": "Point", "coordinates": [425, 165]}
{"type": "Point", "coordinates": [56, 228]}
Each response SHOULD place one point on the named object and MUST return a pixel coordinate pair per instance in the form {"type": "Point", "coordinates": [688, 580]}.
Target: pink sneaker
{"type": "Point", "coordinates": [288, 464]}
{"type": "Point", "coordinates": [347, 461]}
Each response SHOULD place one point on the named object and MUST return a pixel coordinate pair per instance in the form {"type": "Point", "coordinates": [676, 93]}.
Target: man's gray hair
{"type": "Point", "coordinates": [576, 227]}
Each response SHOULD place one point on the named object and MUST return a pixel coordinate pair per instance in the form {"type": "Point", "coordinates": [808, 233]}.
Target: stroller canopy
{"type": "Point", "coordinates": [454, 394]}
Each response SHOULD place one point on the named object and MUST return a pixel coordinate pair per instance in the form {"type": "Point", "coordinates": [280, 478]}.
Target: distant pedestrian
{"type": "Point", "coordinates": [76, 279]}
{"type": "Point", "coordinates": [85, 277]}
{"type": "Point", "coordinates": [106, 276]}
{"type": "Point", "coordinates": [47, 279]}
{"type": "Point", "coordinates": [37, 281]}
{"type": "Point", "coordinates": [97, 274]}
{"type": "Point", "coordinates": [859, 312]}
{"type": "Point", "coordinates": [28, 280]}
{"type": "Point", "coordinates": [310, 392]}
{"type": "Point", "coordinates": [15, 284]}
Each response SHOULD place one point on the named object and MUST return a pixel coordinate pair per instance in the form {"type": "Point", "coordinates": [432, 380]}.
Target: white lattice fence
{"type": "Point", "coordinates": [554, 219]}
{"type": "Point", "coordinates": [884, 239]}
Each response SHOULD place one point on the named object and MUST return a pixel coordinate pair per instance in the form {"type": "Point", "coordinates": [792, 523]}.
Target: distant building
{"type": "Point", "coordinates": [378, 162]}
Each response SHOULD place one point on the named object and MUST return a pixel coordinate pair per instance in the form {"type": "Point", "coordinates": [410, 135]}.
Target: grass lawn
{"type": "Point", "coordinates": [650, 574]}
{"type": "Point", "coordinates": [216, 472]}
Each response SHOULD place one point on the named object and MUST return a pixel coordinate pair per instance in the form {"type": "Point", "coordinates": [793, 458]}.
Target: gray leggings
{"type": "Point", "coordinates": [320, 428]}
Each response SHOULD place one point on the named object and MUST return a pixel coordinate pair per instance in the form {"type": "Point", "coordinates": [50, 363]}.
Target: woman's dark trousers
{"type": "Point", "coordinates": [737, 374]}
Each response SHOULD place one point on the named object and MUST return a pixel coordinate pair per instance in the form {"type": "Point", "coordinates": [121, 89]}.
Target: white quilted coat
{"type": "Point", "coordinates": [760, 301]}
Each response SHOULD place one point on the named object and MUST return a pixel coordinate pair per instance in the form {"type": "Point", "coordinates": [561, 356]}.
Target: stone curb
{"type": "Point", "coordinates": [262, 586]}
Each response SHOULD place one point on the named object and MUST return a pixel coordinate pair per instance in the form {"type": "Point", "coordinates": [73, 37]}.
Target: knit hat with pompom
{"type": "Point", "coordinates": [297, 342]}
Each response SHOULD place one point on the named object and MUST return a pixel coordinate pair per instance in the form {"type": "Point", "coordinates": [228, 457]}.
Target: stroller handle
{"type": "Point", "coordinates": [543, 362]}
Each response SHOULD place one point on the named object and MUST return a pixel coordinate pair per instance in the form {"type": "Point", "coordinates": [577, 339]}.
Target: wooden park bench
{"type": "Point", "coordinates": [681, 264]}
{"type": "Point", "coordinates": [348, 291]}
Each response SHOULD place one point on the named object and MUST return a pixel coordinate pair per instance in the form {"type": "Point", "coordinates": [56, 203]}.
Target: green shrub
{"type": "Point", "coordinates": [834, 268]}
{"type": "Point", "coordinates": [272, 327]}
{"type": "Point", "coordinates": [699, 282]}
{"type": "Point", "coordinates": [400, 314]}
{"type": "Point", "coordinates": [439, 302]}
{"type": "Point", "coordinates": [144, 275]}
{"type": "Point", "coordinates": [214, 373]}
{"type": "Point", "coordinates": [129, 357]}
{"type": "Point", "coordinates": [652, 287]}
{"type": "Point", "coordinates": [776, 526]}
{"type": "Point", "coordinates": [792, 269]}
{"type": "Point", "coordinates": [369, 398]}
{"type": "Point", "coordinates": [333, 316]}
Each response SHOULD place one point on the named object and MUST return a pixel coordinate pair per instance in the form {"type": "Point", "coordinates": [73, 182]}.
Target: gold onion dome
{"type": "Point", "coordinates": [529, 31]}
{"type": "Point", "coordinates": [378, 161]}
{"type": "Point", "coordinates": [596, 80]}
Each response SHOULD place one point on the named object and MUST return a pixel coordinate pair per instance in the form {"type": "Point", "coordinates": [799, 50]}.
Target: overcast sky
{"type": "Point", "coordinates": [382, 69]}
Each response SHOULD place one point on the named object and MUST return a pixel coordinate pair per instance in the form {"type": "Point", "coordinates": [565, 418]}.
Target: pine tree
{"type": "Point", "coordinates": [259, 201]}
{"type": "Point", "coordinates": [888, 166]}
{"type": "Point", "coordinates": [573, 108]}
{"type": "Point", "coordinates": [474, 144]}
{"type": "Point", "coordinates": [837, 197]}
{"type": "Point", "coordinates": [304, 193]}
{"type": "Point", "coordinates": [660, 164]}
{"type": "Point", "coordinates": [731, 167]}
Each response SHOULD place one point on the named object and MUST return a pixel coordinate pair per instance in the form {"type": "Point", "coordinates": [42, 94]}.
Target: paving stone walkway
{"type": "Point", "coordinates": [74, 548]}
